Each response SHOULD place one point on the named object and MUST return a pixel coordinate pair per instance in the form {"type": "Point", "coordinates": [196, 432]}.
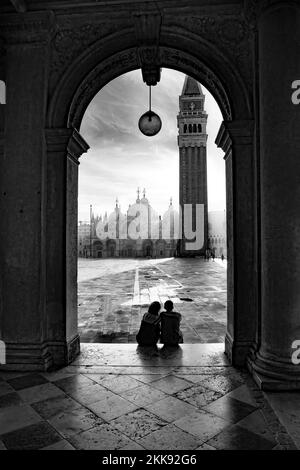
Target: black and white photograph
{"type": "Point", "coordinates": [149, 230]}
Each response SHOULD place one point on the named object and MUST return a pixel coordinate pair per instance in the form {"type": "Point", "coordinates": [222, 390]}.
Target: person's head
{"type": "Point", "coordinates": [169, 305]}
{"type": "Point", "coordinates": [154, 308]}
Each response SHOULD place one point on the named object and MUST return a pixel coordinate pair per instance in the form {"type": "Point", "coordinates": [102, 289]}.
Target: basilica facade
{"type": "Point", "coordinates": [122, 245]}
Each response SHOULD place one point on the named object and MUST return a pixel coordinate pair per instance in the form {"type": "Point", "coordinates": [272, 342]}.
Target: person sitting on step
{"type": "Point", "coordinates": [170, 326]}
{"type": "Point", "coordinates": [149, 331]}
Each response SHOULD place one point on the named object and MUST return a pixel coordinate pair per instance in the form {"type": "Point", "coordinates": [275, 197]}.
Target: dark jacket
{"type": "Point", "coordinates": [170, 328]}
{"type": "Point", "coordinates": [149, 331]}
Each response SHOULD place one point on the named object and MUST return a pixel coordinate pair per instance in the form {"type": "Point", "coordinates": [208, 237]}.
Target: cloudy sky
{"type": "Point", "coordinates": [121, 158]}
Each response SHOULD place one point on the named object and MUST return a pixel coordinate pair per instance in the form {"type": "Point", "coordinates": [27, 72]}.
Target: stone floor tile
{"type": "Point", "coordinates": [230, 409]}
{"type": "Point", "coordinates": [31, 437]}
{"type": "Point", "coordinates": [238, 438]}
{"type": "Point", "coordinates": [132, 446]}
{"type": "Point", "coordinates": [10, 399]}
{"type": "Point", "coordinates": [119, 383]}
{"type": "Point", "coordinates": [111, 408]}
{"type": "Point", "coordinates": [143, 395]}
{"type": "Point", "coordinates": [194, 378]}
{"type": "Point", "coordinates": [5, 388]}
{"type": "Point", "coordinates": [202, 424]}
{"type": "Point", "coordinates": [206, 447]}
{"type": "Point", "coordinates": [221, 383]}
{"type": "Point", "coordinates": [91, 394]}
{"type": "Point", "coordinates": [148, 378]}
{"type": "Point", "coordinates": [170, 408]}
{"type": "Point", "coordinates": [60, 445]}
{"type": "Point", "coordinates": [169, 437]}
{"type": "Point", "coordinates": [73, 383]}
{"type": "Point", "coordinates": [257, 423]}
{"type": "Point", "coordinates": [102, 437]}
{"type": "Point", "coordinates": [54, 406]}
{"type": "Point", "coordinates": [75, 421]}
{"type": "Point", "coordinates": [16, 417]}
{"type": "Point", "coordinates": [138, 423]}
{"type": "Point", "coordinates": [242, 393]}
{"type": "Point", "coordinates": [40, 393]}
{"type": "Point", "coordinates": [198, 395]}
{"type": "Point", "coordinates": [26, 381]}
{"type": "Point", "coordinates": [171, 384]}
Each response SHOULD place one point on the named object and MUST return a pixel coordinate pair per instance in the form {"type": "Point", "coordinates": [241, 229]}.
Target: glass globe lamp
{"type": "Point", "coordinates": [150, 123]}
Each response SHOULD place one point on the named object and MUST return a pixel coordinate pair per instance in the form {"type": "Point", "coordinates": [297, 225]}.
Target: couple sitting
{"type": "Point", "coordinates": [164, 326]}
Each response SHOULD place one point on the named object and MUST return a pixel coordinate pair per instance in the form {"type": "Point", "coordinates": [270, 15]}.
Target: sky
{"type": "Point", "coordinates": [121, 158]}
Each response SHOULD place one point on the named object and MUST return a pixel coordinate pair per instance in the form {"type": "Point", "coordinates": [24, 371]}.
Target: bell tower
{"type": "Point", "coordinates": [192, 139]}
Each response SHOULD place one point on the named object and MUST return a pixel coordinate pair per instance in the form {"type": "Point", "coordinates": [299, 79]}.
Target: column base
{"type": "Point", "coordinates": [238, 351]}
{"type": "Point", "coordinates": [271, 375]}
{"type": "Point", "coordinates": [40, 357]}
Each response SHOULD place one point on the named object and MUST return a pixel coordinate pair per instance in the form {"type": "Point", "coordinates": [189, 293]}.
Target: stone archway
{"type": "Point", "coordinates": [236, 139]}
{"type": "Point", "coordinates": [71, 62]}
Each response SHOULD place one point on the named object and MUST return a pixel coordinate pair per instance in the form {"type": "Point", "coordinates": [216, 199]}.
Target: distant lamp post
{"type": "Point", "coordinates": [150, 122]}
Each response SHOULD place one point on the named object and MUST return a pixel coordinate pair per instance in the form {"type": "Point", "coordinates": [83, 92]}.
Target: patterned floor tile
{"type": "Point", "coordinates": [132, 446]}
{"type": "Point", "coordinates": [143, 395]}
{"type": "Point", "coordinates": [60, 445]}
{"type": "Point", "coordinates": [171, 384]}
{"type": "Point", "coordinates": [16, 417]}
{"type": "Point", "coordinates": [26, 381]}
{"type": "Point", "coordinates": [206, 447]}
{"type": "Point", "coordinates": [73, 422]}
{"type": "Point", "coordinates": [171, 408]}
{"type": "Point", "coordinates": [198, 395]}
{"type": "Point", "coordinates": [91, 394]}
{"type": "Point", "coordinates": [148, 378]}
{"type": "Point", "coordinates": [103, 437]}
{"type": "Point", "coordinates": [54, 406]}
{"type": "Point", "coordinates": [117, 384]}
{"type": "Point", "coordinates": [243, 393]}
{"type": "Point", "coordinates": [10, 399]}
{"type": "Point", "coordinates": [5, 388]}
{"type": "Point", "coordinates": [73, 383]}
{"type": "Point", "coordinates": [230, 409]}
{"type": "Point", "coordinates": [256, 423]}
{"type": "Point", "coordinates": [138, 423]}
{"type": "Point", "coordinates": [238, 438]}
{"type": "Point", "coordinates": [40, 393]}
{"type": "Point", "coordinates": [111, 408]}
{"type": "Point", "coordinates": [169, 437]}
{"type": "Point", "coordinates": [31, 437]}
{"type": "Point", "coordinates": [202, 424]}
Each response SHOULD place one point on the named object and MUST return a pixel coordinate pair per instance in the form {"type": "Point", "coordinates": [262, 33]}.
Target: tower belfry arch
{"type": "Point", "coordinates": [69, 53]}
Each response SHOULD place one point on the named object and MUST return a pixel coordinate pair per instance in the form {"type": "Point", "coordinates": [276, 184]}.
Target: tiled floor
{"type": "Point", "coordinates": [115, 296]}
{"type": "Point", "coordinates": [114, 397]}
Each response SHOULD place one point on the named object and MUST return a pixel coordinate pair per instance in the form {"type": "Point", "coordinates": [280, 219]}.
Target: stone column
{"type": "Point", "coordinates": [64, 147]}
{"type": "Point", "coordinates": [236, 139]}
{"type": "Point", "coordinates": [279, 66]}
{"type": "Point", "coordinates": [23, 190]}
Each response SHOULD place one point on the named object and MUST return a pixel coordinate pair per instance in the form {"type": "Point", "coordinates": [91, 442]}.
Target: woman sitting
{"type": "Point", "coordinates": [149, 332]}
{"type": "Point", "coordinates": [170, 326]}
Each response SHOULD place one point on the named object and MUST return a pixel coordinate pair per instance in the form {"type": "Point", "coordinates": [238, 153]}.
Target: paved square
{"type": "Point", "coordinates": [113, 295]}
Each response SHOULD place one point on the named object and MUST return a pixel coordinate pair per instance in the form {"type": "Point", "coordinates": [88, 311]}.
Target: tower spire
{"type": "Point", "coordinates": [138, 195]}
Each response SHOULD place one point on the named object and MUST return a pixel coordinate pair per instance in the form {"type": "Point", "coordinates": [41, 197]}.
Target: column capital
{"type": "Point", "coordinates": [238, 132]}
{"type": "Point", "coordinates": [66, 139]}
{"type": "Point", "coordinates": [29, 28]}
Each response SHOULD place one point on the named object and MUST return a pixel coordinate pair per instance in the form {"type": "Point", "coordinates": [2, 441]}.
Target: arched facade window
{"type": "Point", "coordinates": [190, 128]}
{"type": "Point", "coordinates": [185, 128]}
{"type": "Point", "coordinates": [194, 128]}
{"type": "Point", "coordinates": [199, 128]}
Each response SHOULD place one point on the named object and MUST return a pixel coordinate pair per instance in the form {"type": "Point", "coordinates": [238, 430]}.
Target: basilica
{"type": "Point", "coordinates": [89, 244]}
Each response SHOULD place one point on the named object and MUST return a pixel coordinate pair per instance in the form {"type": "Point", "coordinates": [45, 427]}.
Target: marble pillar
{"type": "Point", "coordinates": [236, 139]}
{"type": "Point", "coordinates": [279, 66]}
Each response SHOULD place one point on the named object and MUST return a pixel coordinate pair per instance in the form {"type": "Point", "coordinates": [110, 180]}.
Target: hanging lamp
{"type": "Point", "coordinates": [150, 122]}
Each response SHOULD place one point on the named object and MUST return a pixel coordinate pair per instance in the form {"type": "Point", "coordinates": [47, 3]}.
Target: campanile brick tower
{"type": "Point", "coordinates": [192, 138]}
